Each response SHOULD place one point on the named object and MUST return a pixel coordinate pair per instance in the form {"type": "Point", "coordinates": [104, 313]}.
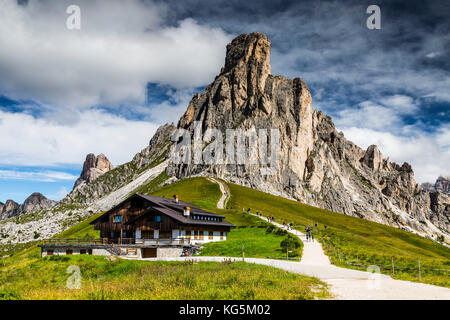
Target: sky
{"type": "Point", "coordinates": [134, 65]}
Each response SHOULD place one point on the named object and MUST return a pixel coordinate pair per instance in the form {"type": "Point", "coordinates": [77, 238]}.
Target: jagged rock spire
{"type": "Point", "coordinates": [93, 167]}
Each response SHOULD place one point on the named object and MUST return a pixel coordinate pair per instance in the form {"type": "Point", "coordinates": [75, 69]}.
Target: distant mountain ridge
{"type": "Point", "coordinates": [442, 184]}
{"type": "Point", "coordinates": [36, 201]}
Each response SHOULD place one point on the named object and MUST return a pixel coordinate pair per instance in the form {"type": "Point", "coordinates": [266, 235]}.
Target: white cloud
{"type": "Point", "coordinates": [42, 176]}
{"type": "Point", "coordinates": [368, 115]}
{"type": "Point", "coordinates": [400, 103]}
{"type": "Point", "coordinates": [428, 155]}
{"type": "Point", "coordinates": [58, 195]}
{"type": "Point", "coordinates": [28, 141]}
{"type": "Point", "coordinates": [121, 46]}
{"type": "Point", "coordinates": [432, 55]}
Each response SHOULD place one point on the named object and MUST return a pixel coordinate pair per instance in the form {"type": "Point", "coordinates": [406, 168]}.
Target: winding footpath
{"type": "Point", "coordinates": [344, 284]}
{"type": "Point", "coordinates": [347, 283]}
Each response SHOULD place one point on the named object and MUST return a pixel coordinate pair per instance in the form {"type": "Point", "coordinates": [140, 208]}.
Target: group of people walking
{"type": "Point", "coordinates": [309, 234]}
{"type": "Point", "coordinates": [290, 225]}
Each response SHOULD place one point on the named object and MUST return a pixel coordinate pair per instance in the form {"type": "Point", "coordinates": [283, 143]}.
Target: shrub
{"type": "Point", "coordinates": [291, 241]}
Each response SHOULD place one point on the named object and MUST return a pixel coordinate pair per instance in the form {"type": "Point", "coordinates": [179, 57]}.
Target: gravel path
{"type": "Point", "coordinates": [344, 283]}
{"type": "Point", "coordinates": [223, 199]}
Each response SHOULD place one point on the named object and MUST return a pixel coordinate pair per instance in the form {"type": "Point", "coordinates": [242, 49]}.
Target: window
{"type": "Point", "coordinates": [124, 234]}
{"type": "Point", "coordinates": [117, 219]}
{"type": "Point", "coordinates": [158, 219]}
{"type": "Point", "coordinates": [112, 235]}
{"type": "Point", "coordinates": [202, 234]}
{"type": "Point", "coordinates": [221, 235]}
{"type": "Point", "coordinates": [82, 251]}
{"type": "Point", "coordinates": [69, 252]}
{"type": "Point", "coordinates": [90, 251]}
{"type": "Point", "coordinates": [195, 235]}
{"type": "Point", "coordinates": [49, 252]}
{"type": "Point", "coordinates": [211, 235]}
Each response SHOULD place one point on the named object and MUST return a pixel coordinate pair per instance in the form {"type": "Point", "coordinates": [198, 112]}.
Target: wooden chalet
{"type": "Point", "coordinates": [141, 218]}
{"type": "Point", "coordinates": [146, 226]}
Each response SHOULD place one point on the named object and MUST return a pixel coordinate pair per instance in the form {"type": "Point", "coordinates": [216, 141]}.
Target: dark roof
{"type": "Point", "coordinates": [174, 210]}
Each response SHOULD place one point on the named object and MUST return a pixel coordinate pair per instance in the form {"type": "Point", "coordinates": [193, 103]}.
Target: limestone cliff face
{"type": "Point", "coordinates": [316, 164]}
{"type": "Point", "coordinates": [93, 168]}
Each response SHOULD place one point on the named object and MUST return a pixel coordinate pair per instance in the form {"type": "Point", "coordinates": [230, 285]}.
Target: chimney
{"type": "Point", "coordinates": [175, 198]}
{"type": "Point", "coordinates": [187, 211]}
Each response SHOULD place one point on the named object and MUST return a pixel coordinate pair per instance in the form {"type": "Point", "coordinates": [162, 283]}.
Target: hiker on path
{"type": "Point", "coordinates": [312, 237]}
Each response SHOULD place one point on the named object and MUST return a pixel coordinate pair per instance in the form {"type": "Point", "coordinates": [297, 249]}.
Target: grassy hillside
{"type": "Point", "coordinates": [250, 232]}
{"type": "Point", "coordinates": [103, 278]}
{"type": "Point", "coordinates": [355, 240]}
{"type": "Point", "coordinates": [26, 275]}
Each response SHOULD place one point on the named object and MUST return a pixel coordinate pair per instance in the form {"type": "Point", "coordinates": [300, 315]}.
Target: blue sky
{"type": "Point", "coordinates": [135, 65]}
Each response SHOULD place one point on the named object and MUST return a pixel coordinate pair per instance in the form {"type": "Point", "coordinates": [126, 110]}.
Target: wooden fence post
{"type": "Point", "coordinates": [420, 276]}
{"type": "Point", "coordinates": [392, 265]}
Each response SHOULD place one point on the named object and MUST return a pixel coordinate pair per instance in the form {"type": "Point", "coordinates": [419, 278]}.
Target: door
{"type": "Point", "coordinates": [149, 252]}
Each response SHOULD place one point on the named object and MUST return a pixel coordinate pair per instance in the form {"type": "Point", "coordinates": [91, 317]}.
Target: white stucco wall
{"type": "Point", "coordinates": [62, 251]}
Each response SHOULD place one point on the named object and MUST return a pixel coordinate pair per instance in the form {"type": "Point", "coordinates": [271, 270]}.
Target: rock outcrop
{"type": "Point", "coordinates": [93, 168]}
{"type": "Point", "coordinates": [34, 202]}
{"type": "Point", "coordinates": [315, 163]}
{"type": "Point", "coordinates": [9, 209]}
{"type": "Point", "coordinates": [112, 180]}
{"type": "Point", "coordinates": [442, 184]}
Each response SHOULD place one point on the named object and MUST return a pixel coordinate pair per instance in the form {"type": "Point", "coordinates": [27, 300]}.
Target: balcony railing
{"type": "Point", "coordinates": [123, 241]}
{"type": "Point", "coordinates": [164, 241]}
{"type": "Point", "coordinates": [74, 241]}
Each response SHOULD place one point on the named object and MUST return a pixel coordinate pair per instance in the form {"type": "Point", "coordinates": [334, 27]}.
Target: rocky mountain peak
{"type": "Point", "coordinates": [36, 201]}
{"type": "Point", "coordinates": [316, 163]}
{"type": "Point", "coordinates": [10, 205]}
{"type": "Point", "coordinates": [373, 158]}
{"type": "Point", "coordinates": [93, 167]}
{"type": "Point", "coordinates": [249, 55]}
{"type": "Point", "coordinates": [9, 209]}
{"type": "Point", "coordinates": [442, 184]}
